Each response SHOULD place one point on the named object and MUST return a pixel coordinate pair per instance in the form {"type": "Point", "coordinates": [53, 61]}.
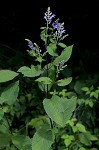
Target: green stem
{"type": "Point", "coordinates": [46, 43]}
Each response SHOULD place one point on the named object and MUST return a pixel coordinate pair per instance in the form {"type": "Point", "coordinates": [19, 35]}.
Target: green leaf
{"type": "Point", "coordinates": [74, 128]}
{"type": "Point", "coordinates": [96, 95]}
{"type": "Point", "coordinates": [69, 106]}
{"type": "Point", "coordinates": [10, 93]}
{"type": "Point", "coordinates": [58, 109]}
{"type": "Point", "coordinates": [81, 148]}
{"type": "Point", "coordinates": [30, 72]}
{"type": "Point", "coordinates": [68, 139]}
{"type": "Point", "coordinates": [64, 82]}
{"type": "Point", "coordinates": [67, 142]}
{"type": "Point", "coordinates": [36, 122]}
{"type": "Point", "coordinates": [78, 86]}
{"type": "Point", "coordinates": [54, 109]}
{"type": "Point", "coordinates": [51, 49]}
{"type": "Point", "coordinates": [43, 34]}
{"type": "Point", "coordinates": [7, 75]}
{"type": "Point", "coordinates": [42, 28]}
{"type": "Point", "coordinates": [22, 142]}
{"type": "Point", "coordinates": [39, 59]}
{"type": "Point", "coordinates": [51, 75]}
{"type": "Point", "coordinates": [3, 128]}
{"type": "Point", "coordinates": [65, 55]}
{"type": "Point", "coordinates": [90, 136]}
{"type": "Point", "coordinates": [44, 80]}
{"type": "Point", "coordinates": [62, 45]}
{"type": "Point", "coordinates": [85, 89]}
{"type": "Point", "coordinates": [5, 139]}
{"type": "Point", "coordinates": [84, 139]}
{"type": "Point", "coordinates": [80, 127]}
{"type": "Point", "coordinates": [43, 138]}
{"type": "Point", "coordinates": [91, 104]}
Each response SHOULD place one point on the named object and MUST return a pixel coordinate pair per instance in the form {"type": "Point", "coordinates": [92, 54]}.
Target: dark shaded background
{"type": "Point", "coordinates": [23, 20]}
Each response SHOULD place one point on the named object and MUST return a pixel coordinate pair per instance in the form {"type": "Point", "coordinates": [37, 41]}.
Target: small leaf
{"type": "Point", "coordinates": [39, 59]}
{"type": "Point", "coordinates": [74, 128]}
{"type": "Point", "coordinates": [67, 142]}
{"type": "Point", "coordinates": [62, 45]}
{"type": "Point", "coordinates": [96, 95]}
{"type": "Point", "coordinates": [7, 75]}
{"type": "Point", "coordinates": [85, 89]}
{"type": "Point", "coordinates": [44, 80]}
{"type": "Point", "coordinates": [42, 28]}
{"type": "Point", "coordinates": [80, 127]}
{"type": "Point", "coordinates": [91, 104]}
{"type": "Point", "coordinates": [64, 82]}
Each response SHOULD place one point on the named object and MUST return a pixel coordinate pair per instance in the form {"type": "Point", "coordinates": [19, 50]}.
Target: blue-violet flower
{"type": "Point", "coordinates": [48, 15]}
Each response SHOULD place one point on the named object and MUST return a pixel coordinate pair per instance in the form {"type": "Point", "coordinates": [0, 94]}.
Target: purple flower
{"type": "Point", "coordinates": [59, 29]}
{"type": "Point", "coordinates": [48, 15]}
{"type": "Point", "coordinates": [30, 44]}
{"type": "Point", "coordinates": [56, 25]}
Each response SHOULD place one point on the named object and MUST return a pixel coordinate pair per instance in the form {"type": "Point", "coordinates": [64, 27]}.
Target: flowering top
{"type": "Point", "coordinates": [59, 29]}
{"type": "Point", "coordinates": [60, 66]}
{"type": "Point", "coordinates": [30, 44]}
{"type": "Point", "coordinates": [48, 15]}
{"type": "Point", "coordinates": [35, 49]}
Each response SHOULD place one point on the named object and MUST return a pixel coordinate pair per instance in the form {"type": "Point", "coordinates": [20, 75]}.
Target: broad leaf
{"type": "Point", "coordinates": [43, 138]}
{"type": "Point", "coordinates": [10, 93]}
{"type": "Point", "coordinates": [69, 106]}
{"type": "Point", "coordinates": [5, 139]}
{"type": "Point", "coordinates": [51, 49]}
{"type": "Point", "coordinates": [54, 109]}
{"type": "Point", "coordinates": [65, 55]}
{"type": "Point", "coordinates": [64, 82]}
{"type": "Point", "coordinates": [22, 142]}
{"type": "Point", "coordinates": [84, 139]}
{"type": "Point", "coordinates": [7, 75]}
{"type": "Point", "coordinates": [30, 72]}
{"type": "Point", "coordinates": [58, 109]}
{"type": "Point", "coordinates": [78, 86]}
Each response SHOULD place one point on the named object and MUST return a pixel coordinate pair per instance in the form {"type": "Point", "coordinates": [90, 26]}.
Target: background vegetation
{"type": "Point", "coordinates": [21, 21]}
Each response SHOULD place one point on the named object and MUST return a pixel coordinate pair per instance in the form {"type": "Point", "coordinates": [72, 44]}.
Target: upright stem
{"type": "Point", "coordinates": [46, 43]}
